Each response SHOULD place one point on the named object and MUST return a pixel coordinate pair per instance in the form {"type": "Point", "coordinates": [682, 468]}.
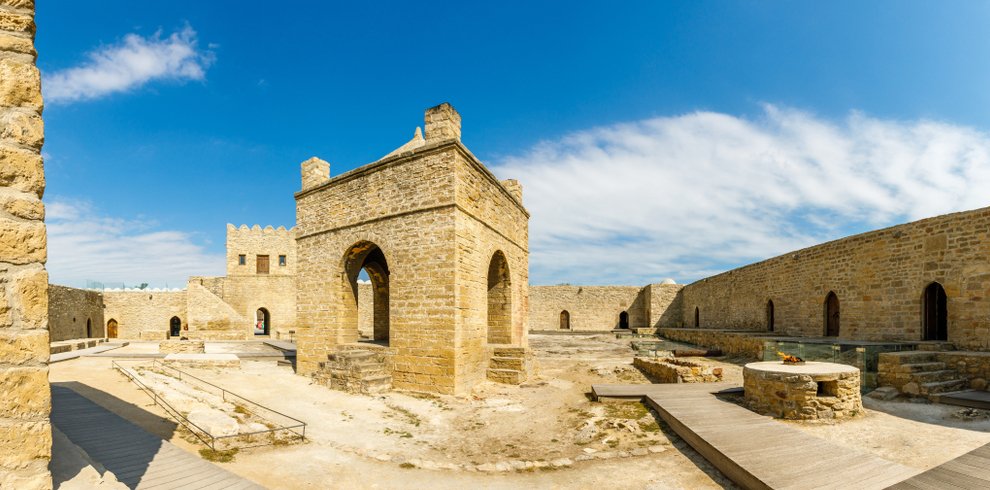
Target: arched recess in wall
{"type": "Point", "coordinates": [262, 322]}
{"type": "Point", "coordinates": [934, 313]}
{"type": "Point", "coordinates": [112, 328]}
{"type": "Point", "coordinates": [175, 327]}
{"type": "Point", "coordinates": [697, 317]}
{"type": "Point", "coordinates": [624, 320]}
{"type": "Point", "coordinates": [370, 258]}
{"type": "Point", "coordinates": [89, 328]}
{"type": "Point", "coordinates": [831, 319]}
{"type": "Point", "coordinates": [499, 300]}
{"type": "Point", "coordinates": [770, 314]}
{"type": "Point", "coordinates": [565, 320]}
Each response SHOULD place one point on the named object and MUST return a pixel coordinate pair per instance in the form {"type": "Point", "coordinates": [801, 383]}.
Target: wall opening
{"type": "Point", "coordinates": [499, 300]}
{"type": "Point", "coordinates": [89, 328]}
{"type": "Point", "coordinates": [565, 320]}
{"type": "Point", "coordinates": [112, 329]}
{"type": "Point", "coordinates": [831, 315]}
{"type": "Point", "coordinates": [770, 315]}
{"type": "Point", "coordinates": [934, 313]}
{"type": "Point", "coordinates": [369, 258]}
{"type": "Point", "coordinates": [175, 327]}
{"type": "Point", "coordinates": [624, 320]}
{"type": "Point", "coordinates": [262, 323]}
{"type": "Point", "coordinates": [828, 388]}
{"type": "Point", "coordinates": [697, 317]}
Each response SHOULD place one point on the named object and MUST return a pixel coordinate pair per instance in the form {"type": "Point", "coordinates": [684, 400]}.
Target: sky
{"type": "Point", "coordinates": [653, 139]}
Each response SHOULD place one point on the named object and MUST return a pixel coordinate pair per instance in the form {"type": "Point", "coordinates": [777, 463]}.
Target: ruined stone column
{"type": "Point", "coordinates": [25, 396]}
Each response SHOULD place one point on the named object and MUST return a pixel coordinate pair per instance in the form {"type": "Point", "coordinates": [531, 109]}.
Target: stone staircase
{"type": "Point", "coordinates": [919, 373]}
{"type": "Point", "coordinates": [510, 365]}
{"type": "Point", "coordinates": [355, 370]}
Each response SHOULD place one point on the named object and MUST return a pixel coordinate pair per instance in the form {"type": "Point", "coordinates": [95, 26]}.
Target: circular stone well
{"type": "Point", "coordinates": [813, 390]}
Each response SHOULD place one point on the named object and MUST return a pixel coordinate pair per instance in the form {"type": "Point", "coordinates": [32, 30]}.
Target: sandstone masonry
{"type": "Point", "coordinates": [74, 314]}
{"type": "Point", "coordinates": [601, 308]}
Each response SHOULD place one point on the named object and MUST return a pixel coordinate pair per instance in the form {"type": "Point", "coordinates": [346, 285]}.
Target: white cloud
{"type": "Point", "coordinates": [85, 245]}
{"type": "Point", "coordinates": [692, 195]}
{"type": "Point", "coordinates": [129, 64]}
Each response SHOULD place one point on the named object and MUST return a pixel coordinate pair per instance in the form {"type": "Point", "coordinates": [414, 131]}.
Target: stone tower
{"type": "Point", "coordinates": [444, 244]}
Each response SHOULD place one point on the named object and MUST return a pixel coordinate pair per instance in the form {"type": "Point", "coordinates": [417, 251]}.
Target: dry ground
{"type": "Point", "coordinates": [543, 434]}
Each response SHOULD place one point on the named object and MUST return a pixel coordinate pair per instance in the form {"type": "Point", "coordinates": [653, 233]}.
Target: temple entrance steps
{"type": "Point", "coordinates": [510, 365]}
{"type": "Point", "coordinates": [919, 373]}
{"type": "Point", "coordinates": [356, 369]}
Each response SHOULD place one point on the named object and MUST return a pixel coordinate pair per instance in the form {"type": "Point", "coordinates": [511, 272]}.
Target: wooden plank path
{"type": "Point", "coordinates": [971, 470]}
{"type": "Point", "coordinates": [754, 451]}
{"type": "Point", "coordinates": [139, 459]}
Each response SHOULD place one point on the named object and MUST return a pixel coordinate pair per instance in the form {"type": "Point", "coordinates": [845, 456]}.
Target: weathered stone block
{"type": "Point", "coordinates": [31, 293]}
{"type": "Point", "coordinates": [21, 169]}
{"type": "Point", "coordinates": [22, 207]}
{"type": "Point", "coordinates": [23, 346]}
{"type": "Point", "coordinates": [20, 84]}
{"type": "Point", "coordinates": [21, 443]}
{"type": "Point", "coordinates": [17, 44]}
{"type": "Point", "coordinates": [16, 22]}
{"type": "Point", "coordinates": [23, 127]}
{"type": "Point", "coordinates": [26, 393]}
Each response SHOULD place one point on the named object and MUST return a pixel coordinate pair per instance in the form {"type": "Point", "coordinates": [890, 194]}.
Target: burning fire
{"type": "Point", "coordinates": [789, 359]}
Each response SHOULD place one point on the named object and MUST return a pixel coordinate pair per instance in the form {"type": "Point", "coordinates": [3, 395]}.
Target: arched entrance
{"type": "Point", "coordinates": [499, 300]}
{"type": "Point", "coordinates": [112, 329]}
{"type": "Point", "coordinates": [769, 315]}
{"type": "Point", "coordinates": [262, 323]}
{"type": "Point", "coordinates": [368, 257]}
{"type": "Point", "coordinates": [624, 320]}
{"type": "Point", "coordinates": [89, 328]}
{"type": "Point", "coordinates": [175, 326]}
{"type": "Point", "coordinates": [831, 315]}
{"type": "Point", "coordinates": [934, 313]}
{"type": "Point", "coordinates": [697, 317]}
{"type": "Point", "coordinates": [565, 320]}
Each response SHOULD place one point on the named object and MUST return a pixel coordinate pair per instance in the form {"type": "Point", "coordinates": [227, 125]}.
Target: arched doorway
{"type": "Point", "coordinates": [565, 320]}
{"type": "Point", "coordinates": [175, 326]}
{"type": "Point", "coordinates": [367, 257]}
{"type": "Point", "coordinates": [262, 323]}
{"type": "Point", "coordinates": [769, 315]}
{"type": "Point", "coordinates": [499, 300]}
{"type": "Point", "coordinates": [623, 320]}
{"type": "Point", "coordinates": [89, 328]}
{"type": "Point", "coordinates": [831, 315]}
{"type": "Point", "coordinates": [112, 329]}
{"type": "Point", "coordinates": [934, 313]}
{"type": "Point", "coordinates": [697, 317]}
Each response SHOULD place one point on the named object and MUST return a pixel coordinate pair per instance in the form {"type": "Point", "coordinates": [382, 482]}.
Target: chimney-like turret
{"type": "Point", "coordinates": [442, 123]}
{"type": "Point", "coordinates": [314, 172]}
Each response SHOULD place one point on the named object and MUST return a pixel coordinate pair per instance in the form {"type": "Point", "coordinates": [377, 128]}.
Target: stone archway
{"type": "Point", "coordinates": [368, 257]}
{"type": "Point", "coordinates": [499, 300]}
{"type": "Point", "coordinates": [624, 320]}
{"type": "Point", "coordinates": [262, 322]}
{"type": "Point", "coordinates": [175, 327]}
{"type": "Point", "coordinates": [112, 329]}
{"type": "Point", "coordinates": [565, 320]}
{"type": "Point", "coordinates": [934, 313]}
{"type": "Point", "coordinates": [831, 315]}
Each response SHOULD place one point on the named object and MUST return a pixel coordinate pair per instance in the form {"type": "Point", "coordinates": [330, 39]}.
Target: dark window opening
{"type": "Point", "coordinates": [934, 313]}
{"type": "Point", "coordinates": [623, 320]}
{"type": "Point", "coordinates": [241, 259]}
{"type": "Point", "coordinates": [175, 327]}
{"type": "Point", "coordinates": [770, 315]}
{"type": "Point", "coordinates": [697, 317]}
{"type": "Point", "coordinates": [828, 388]}
{"type": "Point", "coordinates": [281, 260]}
{"type": "Point", "coordinates": [831, 315]}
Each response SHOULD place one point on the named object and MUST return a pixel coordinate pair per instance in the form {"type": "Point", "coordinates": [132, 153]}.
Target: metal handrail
{"type": "Point", "coordinates": [182, 419]}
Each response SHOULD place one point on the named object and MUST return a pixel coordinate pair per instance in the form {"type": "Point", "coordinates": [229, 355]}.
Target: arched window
{"type": "Point", "coordinates": [262, 324]}
{"type": "Point", "coordinates": [499, 300]}
{"type": "Point", "coordinates": [697, 317]}
{"type": "Point", "coordinates": [175, 326]}
{"type": "Point", "coordinates": [934, 313]}
{"type": "Point", "coordinates": [831, 315]}
{"type": "Point", "coordinates": [769, 315]}
{"type": "Point", "coordinates": [565, 320]}
{"type": "Point", "coordinates": [624, 320]}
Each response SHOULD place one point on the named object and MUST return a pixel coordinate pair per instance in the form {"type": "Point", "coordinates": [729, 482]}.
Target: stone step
{"type": "Point", "coordinates": [507, 376]}
{"type": "Point", "coordinates": [934, 345]}
{"type": "Point", "coordinates": [509, 351]}
{"type": "Point", "coordinates": [934, 376]}
{"type": "Point", "coordinates": [516, 363]}
{"type": "Point", "coordinates": [942, 386]}
{"type": "Point", "coordinates": [914, 357]}
{"type": "Point", "coordinates": [376, 384]}
{"type": "Point", "coordinates": [922, 367]}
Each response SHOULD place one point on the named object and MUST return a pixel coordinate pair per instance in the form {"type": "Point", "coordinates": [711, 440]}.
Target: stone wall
{"type": "Point", "coordinates": [144, 311]}
{"type": "Point", "coordinates": [732, 343]}
{"type": "Point", "coordinates": [25, 404]}
{"type": "Point", "coordinates": [671, 370]}
{"type": "Point", "coordinates": [254, 241]}
{"type": "Point", "coordinates": [74, 313]}
{"type": "Point", "coordinates": [878, 277]}
{"type": "Point", "coordinates": [597, 308]}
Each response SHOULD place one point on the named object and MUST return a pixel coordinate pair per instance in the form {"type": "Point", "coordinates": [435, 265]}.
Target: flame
{"type": "Point", "coordinates": [789, 359]}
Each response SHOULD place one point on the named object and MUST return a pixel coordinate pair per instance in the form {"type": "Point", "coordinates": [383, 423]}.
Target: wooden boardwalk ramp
{"type": "Point", "coordinates": [139, 459]}
{"type": "Point", "coordinates": [971, 470]}
{"type": "Point", "coordinates": [754, 451]}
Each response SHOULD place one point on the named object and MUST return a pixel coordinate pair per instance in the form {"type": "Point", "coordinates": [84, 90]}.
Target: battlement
{"type": "Point", "coordinates": [257, 231]}
{"type": "Point", "coordinates": [275, 246]}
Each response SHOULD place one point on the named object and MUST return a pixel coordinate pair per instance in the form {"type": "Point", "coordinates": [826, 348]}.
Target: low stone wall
{"type": "Point", "coordinates": [182, 347]}
{"type": "Point", "coordinates": [798, 396]}
{"type": "Point", "coordinates": [670, 370]}
{"type": "Point", "coordinates": [975, 366]}
{"type": "Point", "coordinates": [181, 360]}
{"type": "Point", "coordinates": [731, 343]}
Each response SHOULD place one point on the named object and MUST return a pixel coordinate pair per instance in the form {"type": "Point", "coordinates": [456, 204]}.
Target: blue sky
{"type": "Point", "coordinates": [689, 137]}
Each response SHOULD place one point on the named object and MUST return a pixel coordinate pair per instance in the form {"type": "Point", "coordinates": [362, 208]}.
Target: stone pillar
{"type": "Point", "coordinates": [25, 396]}
{"type": "Point", "coordinates": [314, 172]}
{"type": "Point", "coordinates": [442, 123]}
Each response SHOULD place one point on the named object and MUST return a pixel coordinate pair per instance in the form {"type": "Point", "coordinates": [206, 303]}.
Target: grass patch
{"type": "Point", "coordinates": [407, 466]}
{"type": "Point", "coordinates": [631, 411]}
{"type": "Point", "coordinates": [218, 456]}
{"type": "Point", "coordinates": [401, 433]}
{"type": "Point", "coordinates": [241, 410]}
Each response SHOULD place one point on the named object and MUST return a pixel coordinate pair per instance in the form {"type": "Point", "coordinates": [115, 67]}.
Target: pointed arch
{"type": "Point", "coordinates": [369, 257]}
{"type": "Point", "coordinates": [565, 320]}
{"type": "Point", "coordinates": [831, 311]}
{"type": "Point", "coordinates": [770, 315]}
{"type": "Point", "coordinates": [262, 321]}
{"type": "Point", "coordinates": [697, 317]}
{"type": "Point", "coordinates": [499, 300]}
{"type": "Point", "coordinates": [934, 313]}
{"type": "Point", "coordinates": [624, 320]}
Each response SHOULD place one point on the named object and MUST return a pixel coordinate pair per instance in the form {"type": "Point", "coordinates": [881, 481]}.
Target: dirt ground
{"type": "Point", "coordinates": [546, 433]}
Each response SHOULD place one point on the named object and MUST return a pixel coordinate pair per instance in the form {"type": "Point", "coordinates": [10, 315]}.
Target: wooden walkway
{"type": "Point", "coordinates": [754, 451]}
{"type": "Point", "coordinates": [971, 470]}
{"type": "Point", "coordinates": [139, 459]}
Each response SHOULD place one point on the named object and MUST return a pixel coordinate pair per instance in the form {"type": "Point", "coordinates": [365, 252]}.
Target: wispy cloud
{"type": "Point", "coordinates": [691, 195]}
{"type": "Point", "coordinates": [129, 64]}
{"type": "Point", "coordinates": [85, 245]}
